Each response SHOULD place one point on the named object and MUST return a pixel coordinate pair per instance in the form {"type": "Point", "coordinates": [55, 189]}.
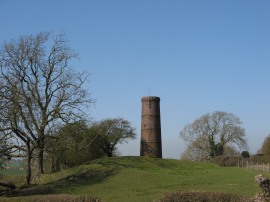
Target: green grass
{"type": "Point", "coordinates": [144, 179]}
{"type": "Point", "coordinates": [14, 174]}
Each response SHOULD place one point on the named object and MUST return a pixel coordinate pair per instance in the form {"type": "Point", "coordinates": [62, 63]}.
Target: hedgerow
{"type": "Point", "coordinates": [195, 196]}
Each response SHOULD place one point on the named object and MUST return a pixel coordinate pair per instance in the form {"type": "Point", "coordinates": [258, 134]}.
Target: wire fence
{"type": "Point", "coordinates": [256, 166]}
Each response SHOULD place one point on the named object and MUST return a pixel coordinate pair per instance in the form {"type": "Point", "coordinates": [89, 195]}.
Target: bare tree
{"type": "Point", "coordinates": [39, 90]}
{"type": "Point", "coordinates": [5, 149]}
{"type": "Point", "coordinates": [210, 134]}
{"type": "Point", "coordinates": [113, 131]}
{"type": "Point", "coordinates": [195, 152]}
{"type": "Point", "coordinates": [9, 148]}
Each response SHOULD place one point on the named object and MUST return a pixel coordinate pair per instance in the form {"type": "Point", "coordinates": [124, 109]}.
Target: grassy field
{"type": "Point", "coordinates": [142, 179]}
{"type": "Point", "coordinates": [13, 174]}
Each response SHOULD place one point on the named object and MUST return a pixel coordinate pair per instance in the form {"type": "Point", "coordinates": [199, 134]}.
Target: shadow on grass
{"type": "Point", "coordinates": [80, 179]}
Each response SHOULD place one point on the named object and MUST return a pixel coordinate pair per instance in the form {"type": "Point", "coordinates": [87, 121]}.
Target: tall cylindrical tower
{"type": "Point", "coordinates": [151, 127]}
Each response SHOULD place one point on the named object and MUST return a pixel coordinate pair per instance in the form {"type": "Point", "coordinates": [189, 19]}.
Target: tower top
{"type": "Point", "coordinates": [150, 98]}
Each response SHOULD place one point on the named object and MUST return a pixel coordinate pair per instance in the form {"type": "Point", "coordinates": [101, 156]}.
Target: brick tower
{"type": "Point", "coordinates": [151, 127]}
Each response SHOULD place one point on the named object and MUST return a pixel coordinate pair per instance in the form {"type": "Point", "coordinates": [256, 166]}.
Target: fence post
{"type": "Point", "coordinates": [247, 165]}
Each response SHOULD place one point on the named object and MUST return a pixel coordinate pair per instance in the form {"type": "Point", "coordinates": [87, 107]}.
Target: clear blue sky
{"type": "Point", "coordinates": [198, 56]}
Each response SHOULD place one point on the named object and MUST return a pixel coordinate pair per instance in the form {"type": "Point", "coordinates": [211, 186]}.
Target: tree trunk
{"type": "Point", "coordinates": [55, 164]}
{"type": "Point", "coordinates": [212, 145]}
{"type": "Point", "coordinates": [28, 164]}
{"type": "Point", "coordinates": [109, 154]}
{"type": "Point", "coordinates": [110, 151]}
{"type": "Point", "coordinates": [41, 161]}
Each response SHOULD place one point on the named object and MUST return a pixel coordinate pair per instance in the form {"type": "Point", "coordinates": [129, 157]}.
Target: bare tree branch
{"type": "Point", "coordinates": [39, 89]}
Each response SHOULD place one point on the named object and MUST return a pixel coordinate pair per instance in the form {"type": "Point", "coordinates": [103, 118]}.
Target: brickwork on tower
{"type": "Point", "coordinates": [151, 127]}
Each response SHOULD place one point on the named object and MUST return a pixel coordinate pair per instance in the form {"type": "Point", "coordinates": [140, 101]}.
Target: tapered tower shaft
{"type": "Point", "coordinates": [151, 127]}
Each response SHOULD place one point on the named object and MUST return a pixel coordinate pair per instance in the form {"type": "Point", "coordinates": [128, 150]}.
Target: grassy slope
{"type": "Point", "coordinates": [146, 179]}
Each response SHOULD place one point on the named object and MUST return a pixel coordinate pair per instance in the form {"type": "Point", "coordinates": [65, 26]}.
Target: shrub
{"type": "Point", "coordinates": [264, 183]}
{"type": "Point", "coordinates": [227, 160]}
{"type": "Point", "coordinates": [190, 196]}
{"type": "Point", "coordinates": [261, 158]}
{"type": "Point", "coordinates": [245, 154]}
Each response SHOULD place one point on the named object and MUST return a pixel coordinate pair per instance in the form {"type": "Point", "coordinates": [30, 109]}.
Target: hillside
{"type": "Point", "coordinates": [144, 179]}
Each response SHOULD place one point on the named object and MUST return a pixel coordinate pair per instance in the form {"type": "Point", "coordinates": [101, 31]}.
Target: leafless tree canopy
{"type": "Point", "coordinates": [38, 87]}
{"type": "Point", "coordinates": [209, 135]}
